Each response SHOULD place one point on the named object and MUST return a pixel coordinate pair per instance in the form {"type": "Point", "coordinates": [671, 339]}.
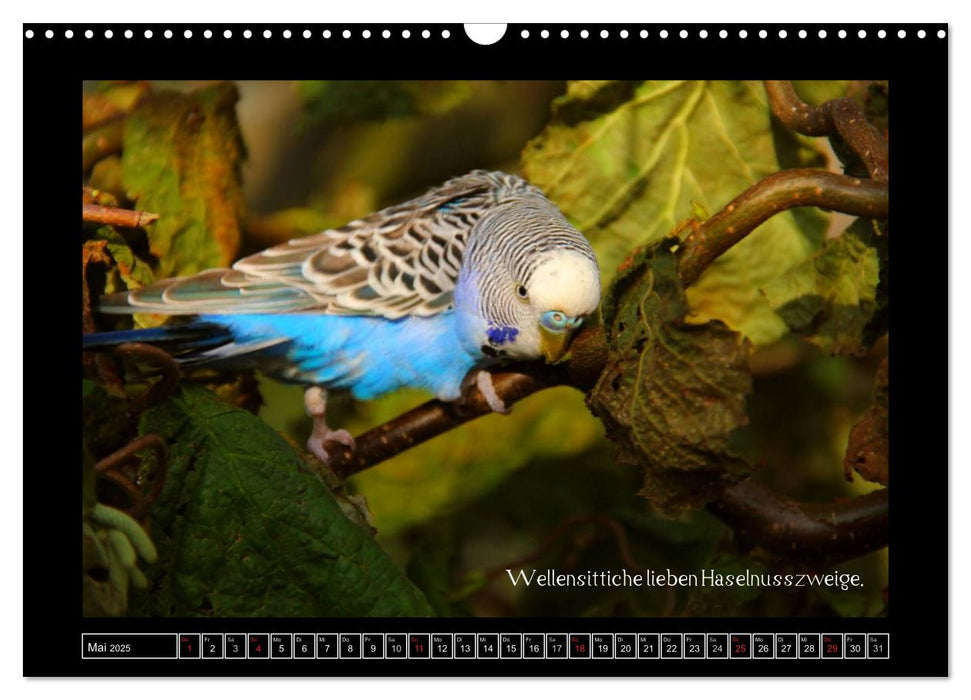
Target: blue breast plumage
{"type": "Point", "coordinates": [369, 356]}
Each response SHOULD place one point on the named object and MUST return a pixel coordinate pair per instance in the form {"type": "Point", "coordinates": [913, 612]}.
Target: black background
{"type": "Point", "coordinates": [918, 73]}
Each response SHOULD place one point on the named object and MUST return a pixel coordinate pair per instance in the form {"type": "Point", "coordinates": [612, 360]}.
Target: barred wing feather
{"type": "Point", "coordinates": [403, 260]}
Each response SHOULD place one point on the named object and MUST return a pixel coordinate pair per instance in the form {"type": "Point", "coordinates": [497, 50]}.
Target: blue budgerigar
{"type": "Point", "coordinates": [481, 269]}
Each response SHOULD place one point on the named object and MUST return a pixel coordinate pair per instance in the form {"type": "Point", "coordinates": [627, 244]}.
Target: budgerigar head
{"type": "Point", "coordinates": [562, 291]}
{"type": "Point", "coordinates": [533, 279]}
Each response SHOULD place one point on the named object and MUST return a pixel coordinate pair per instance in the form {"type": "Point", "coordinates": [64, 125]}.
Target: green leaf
{"type": "Point", "coordinates": [831, 298]}
{"type": "Point", "coordinates": [673, 394]}
{"type": "Point", "coordinates": [628, 161]}
{"type": "Point", "coordinates": [181, 160]}
{"type": "Point", "coordinates": [244, 529]}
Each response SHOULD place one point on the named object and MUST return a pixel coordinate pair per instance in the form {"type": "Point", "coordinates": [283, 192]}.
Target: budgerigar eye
{"type": "Point", "coordinates": [522, 292]}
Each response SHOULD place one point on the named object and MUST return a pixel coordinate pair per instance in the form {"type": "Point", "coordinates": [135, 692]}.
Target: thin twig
{"type": "Point", "coordinates": [125, 484]}
{"type": "Point", "coordinates": [140, 509]}
{"type": "Point", "coordinates": [109, 468]}
{"type": "Point", "coordinates": [114, 216]}
{"type": "Point", "coordinates": [171, 374]}
{"type": "Point", "coordinates": [123, 455]}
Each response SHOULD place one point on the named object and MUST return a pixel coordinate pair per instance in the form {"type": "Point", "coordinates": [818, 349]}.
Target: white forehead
{"type": "Point", "coordinates": [566, 281]}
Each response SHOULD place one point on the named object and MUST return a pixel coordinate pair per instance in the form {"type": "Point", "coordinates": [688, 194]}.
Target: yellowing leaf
{"type": "Point", "coordinates": [831, 297]}
{"type": "Point", "coordinates": [181, 160]}
{"type": "Point", "coordinates": [131, 270]}
{"type": "Point", "coordinates": [628, 161]}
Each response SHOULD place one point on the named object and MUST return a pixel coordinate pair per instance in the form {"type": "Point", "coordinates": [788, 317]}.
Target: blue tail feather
{"type": "Point", "coordinates": [190, 336]}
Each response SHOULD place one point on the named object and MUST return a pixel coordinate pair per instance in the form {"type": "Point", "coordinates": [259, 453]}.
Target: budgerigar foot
{"type": "Point", "coordinates": [317, 439]}
{"type": "Point", "coordinates": [483, 380]}
{"type": "Point", "coordinates": [315, 400]}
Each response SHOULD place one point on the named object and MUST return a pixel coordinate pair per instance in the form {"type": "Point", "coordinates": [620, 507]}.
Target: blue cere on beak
{"type": "Point", "coordinates": [559, 321]}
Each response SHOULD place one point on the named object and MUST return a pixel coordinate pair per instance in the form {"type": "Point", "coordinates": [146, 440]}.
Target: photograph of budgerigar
{"type": "Point", "coordinates": [361, 348]}
{"type": "Point", "coordinates": [417, 295]}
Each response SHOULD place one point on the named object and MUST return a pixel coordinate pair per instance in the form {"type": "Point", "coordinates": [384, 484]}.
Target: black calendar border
{"type": "Point", "coordinates": [918, 70]}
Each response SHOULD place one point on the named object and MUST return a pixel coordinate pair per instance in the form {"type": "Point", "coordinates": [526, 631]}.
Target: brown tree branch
{"type": "Point", "coordinates": [841, 118]}
{"type": "Point", "coordinates": [789, 109]}
{"type": "Point", "coordinates": [780, 191]}
{"type": "Point", "coordinates": [834, 531]}
{"type": "Point", "coordinates": [113, 216]}
{"type": "Point", "coordinates": [436, 417]}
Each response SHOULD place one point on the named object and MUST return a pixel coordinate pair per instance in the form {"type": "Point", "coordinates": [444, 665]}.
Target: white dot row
{"type": "Point", "coordinates": [228, 34]}
{"type": "Point", "coordinates": [723, 34]}
{"type": "Point", "coordinates": [445, 34]}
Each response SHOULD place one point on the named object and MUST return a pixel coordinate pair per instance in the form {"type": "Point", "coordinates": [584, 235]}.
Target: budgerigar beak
{"type": "Point", "coordinates": [553, 344]}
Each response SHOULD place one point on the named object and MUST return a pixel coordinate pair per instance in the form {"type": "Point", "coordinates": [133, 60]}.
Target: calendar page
{"type": "Point", "coordinates": [554, 349]}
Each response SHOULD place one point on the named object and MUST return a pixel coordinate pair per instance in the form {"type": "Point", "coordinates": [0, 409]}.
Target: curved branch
{"type": "Point", "coordinates": [109, 468]}
{"type": "Point", "coordinates": [841, 118]}
{"type": "Point", "coordinates": [789, 109]}
{"type": "Point", "coordinates": [171, 374]}
{"type": "Point", "coordinates": [124, 454]}
{"type": "Point", "coordinates": [780, 191]}
{"type": "Point", "coordinates": [840, 530]}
